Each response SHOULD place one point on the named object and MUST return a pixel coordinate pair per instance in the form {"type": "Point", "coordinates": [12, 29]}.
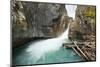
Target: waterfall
{"type": "Point", "coordinates": [40, 48]}
{"type": "Point", "coordinates": [65, 34]}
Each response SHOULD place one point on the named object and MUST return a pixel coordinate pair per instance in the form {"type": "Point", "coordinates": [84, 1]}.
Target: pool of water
{"type": "Point", "coordinates": [22, 57]}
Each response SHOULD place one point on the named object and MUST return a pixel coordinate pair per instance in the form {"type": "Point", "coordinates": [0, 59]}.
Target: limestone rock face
{"type": "Point", "coordinates": [32, 19]}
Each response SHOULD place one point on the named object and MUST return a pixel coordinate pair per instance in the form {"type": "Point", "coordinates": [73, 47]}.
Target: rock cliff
{"type": "Point", "coordinates": [84, 23]}
{"type": "Point", "coordinates": [34, 19]}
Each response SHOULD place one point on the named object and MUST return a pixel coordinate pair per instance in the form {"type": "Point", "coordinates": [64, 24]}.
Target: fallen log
{"type": "Point", "coordinates": [85, 56]}
{"type": "Point", "coordinates": [70, 45]}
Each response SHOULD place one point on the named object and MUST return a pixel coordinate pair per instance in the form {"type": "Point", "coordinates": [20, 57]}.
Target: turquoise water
{"type": "Point", "coordinates": [22, 57]}
{"type": "Point", "coordinates": [45, 52]}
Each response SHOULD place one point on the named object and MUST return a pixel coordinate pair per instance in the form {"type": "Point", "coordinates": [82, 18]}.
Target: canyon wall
{"type": "Point", "coordinates": [32, 20]}
{"type": "Point", "coordinates": [84, 23]}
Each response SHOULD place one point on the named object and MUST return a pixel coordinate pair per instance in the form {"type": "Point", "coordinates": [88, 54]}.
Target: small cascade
{"type": "Point", "coordinates": [40, 48]}
{"type": "Point", "coordinates": [65, 34]}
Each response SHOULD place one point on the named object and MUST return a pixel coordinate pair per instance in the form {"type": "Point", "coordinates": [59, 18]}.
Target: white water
{"type": "Point", "coordinates": [40, 48]}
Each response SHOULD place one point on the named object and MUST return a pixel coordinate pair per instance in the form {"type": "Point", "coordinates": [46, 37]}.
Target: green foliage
{"type": "Point", "coordinates": [90, 12]}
